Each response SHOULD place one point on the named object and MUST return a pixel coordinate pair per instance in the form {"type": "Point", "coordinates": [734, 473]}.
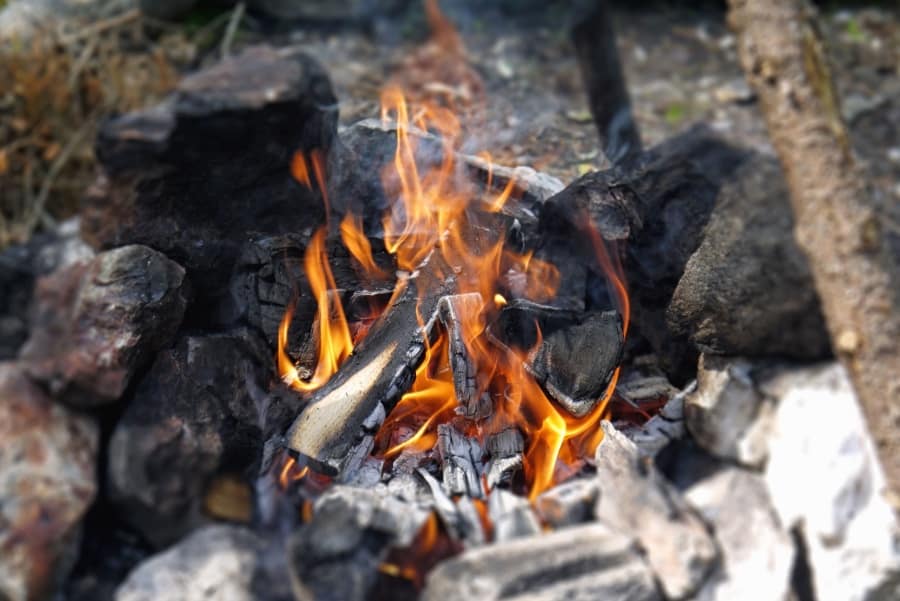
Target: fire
{"type": "Point", "coordinates": [438, 209]}
{"type": "Point", "coordinates": [334, 341]}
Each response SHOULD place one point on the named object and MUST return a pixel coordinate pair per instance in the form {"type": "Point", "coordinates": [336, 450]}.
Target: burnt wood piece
{"type": "Point", "coordinates": [461, 458]}
{"type": "Point", "coordinates": [574, 363]}
{"type": "Point", "coordinates": [453, 310]}
{"type": "Point", "coordinates": [577, 354]}
{"type": "Point", "coordinates": [505, 449]}
{"type": "Point", "coordinates": [461, 519]}
{"type": "Point", "coordinates": [375, 376]}
{"type": "Point", "coordinates": [582, 562]}
{"type": "Point", "coordinates": [511, 516]}
{"type": "Point", "coordinates": [194, 176]}
{"type": "Point", "coordinates": [601, 71]}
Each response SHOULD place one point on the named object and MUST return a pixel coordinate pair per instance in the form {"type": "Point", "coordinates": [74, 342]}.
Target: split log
{"type": "Point", "coordinates": [837, 223]}
{"type": "Point", "coordinates": [373, 379]}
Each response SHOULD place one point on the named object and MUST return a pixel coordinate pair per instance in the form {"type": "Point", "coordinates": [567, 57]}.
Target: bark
{"type": "Point", "coordinates": [836, 222]}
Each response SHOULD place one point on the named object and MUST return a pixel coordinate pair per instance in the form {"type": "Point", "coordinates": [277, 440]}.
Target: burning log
{"type": "Point", "coordinates": [452, 309]}
{"type": "Point", "coordinates": [357, 399]}
{"type": "Point", "coordinates": [505, 448]}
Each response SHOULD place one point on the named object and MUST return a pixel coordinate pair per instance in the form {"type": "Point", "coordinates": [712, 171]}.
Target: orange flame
{"type": "Point", "coordinates": [434, 212]}
{"type": "Point", "coordinates": [290, 472]}
{"type": "Point", "coordinates": [334, 341]}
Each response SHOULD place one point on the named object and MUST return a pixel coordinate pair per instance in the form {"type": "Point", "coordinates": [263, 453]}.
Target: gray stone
{"type": "Point", "coordinates": [47, 482]}
{"type": "Point", "coordinates": [747, 289]}
{"type": "Point", "coordinates": [96, 323]}
{"type": "Point", "coordinates": [583, 563]}
{"type": "Point", "coordinates": [726, 414]}
{"type": "Point", "coordinates": [635, 499]}
{"type": "Point", "coordinates": [216, 562]}
{"type": "Point", "coordinates": [757, 553]}
{"type": "Point", "coordinates": [196, 414]}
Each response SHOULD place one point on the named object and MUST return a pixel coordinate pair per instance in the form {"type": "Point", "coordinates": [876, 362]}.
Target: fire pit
{"type": "Point", "coordinates": [284, 359]}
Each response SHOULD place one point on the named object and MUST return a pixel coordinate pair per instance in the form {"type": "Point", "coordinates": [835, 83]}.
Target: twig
{"type": "Point", "coordinates": [101, 26]}
{"type": "Point", "coordinates": [37, 207]}
{"type": "Point", "coordinates": [233, 23]}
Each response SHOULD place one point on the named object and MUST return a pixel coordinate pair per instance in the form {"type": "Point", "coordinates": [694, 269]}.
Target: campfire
{"type": "Point", "coordinates": [394, 352]}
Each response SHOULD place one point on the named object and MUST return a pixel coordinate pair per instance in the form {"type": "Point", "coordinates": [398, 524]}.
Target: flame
{"type": "Point", "coordinates": [334, 341]}
{"type": "Point", "coordinates": [434, 212]}
{"type": "Point", "coordinates": [290, 472]}
{"type": "Point", "coordinates": [355, 240]}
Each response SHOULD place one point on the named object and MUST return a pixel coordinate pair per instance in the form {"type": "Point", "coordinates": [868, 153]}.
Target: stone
{"type": "Point", "coordinates": [217, 562]}
{"type": "Point", "coordinates": [824, 479]}
{"type": "Point", "coordinates": [98, 322]}
{"type": "Point", "coordinates": [635, 499]}
{"type": "Point", "coordinates": [20, 266]}
{"type": "Point", "coordinates": [201, 173]}
{"type": "Point", "coordinates": [757, 553]}
{"type": "Point", "coordinates": [199, 412]}
{"type": "Point", "coordinates": [747, 289]}
{"type": "Point", "coordinates": [581, 563]}
{"type": "Point", "coordinates": [726, 414]}
{"type": "Point", "coordinates": [47, 483]}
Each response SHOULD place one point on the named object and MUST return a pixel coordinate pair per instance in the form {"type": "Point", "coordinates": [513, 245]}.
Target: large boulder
{"type": "Point", "coordinates": [47, 482]}
{"type": "Point", "coordinates": [199, 413]}
{"type": "Point", "coordinates": [747, 289]}
{"type": "Point", "coordinates": [197, 175]}
{"type": "Point", "coordinates": [97, 322]}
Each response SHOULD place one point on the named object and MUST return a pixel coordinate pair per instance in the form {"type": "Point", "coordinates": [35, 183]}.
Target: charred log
{"type": "Point", "coordinates": [372, 380]}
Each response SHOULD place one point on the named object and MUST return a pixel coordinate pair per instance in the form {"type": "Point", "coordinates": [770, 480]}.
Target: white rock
{"type": "Point", "coordinates": [217, 562]}
{"type": "Point", "coordinates": [823, 476]}
{"type": "Point", "coordinates": [757, 553]}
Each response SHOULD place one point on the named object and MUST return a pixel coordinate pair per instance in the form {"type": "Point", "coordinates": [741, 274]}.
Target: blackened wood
{"type": "Point", "coordinates": [378, 372]}
{"type": "Point", "coordinates": [574, 363]}
{"type": "Point", "coordinates": [461, 459]}
{"type": "Point", "coordinates": [601, 71]}
{"type": "Point", "coordinates": [453, 311]}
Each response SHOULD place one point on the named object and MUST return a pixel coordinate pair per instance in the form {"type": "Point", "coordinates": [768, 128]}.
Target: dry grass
{"type": "Point", "coordinates": [60, 84]}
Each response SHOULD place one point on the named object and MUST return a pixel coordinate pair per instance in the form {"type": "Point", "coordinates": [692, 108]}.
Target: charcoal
{"type": "Point", "coordinates": [409, 487]}
{"type": "Point", "coordinates": [635, 498]}
{"type": "Point", "coordinates": [664, 427]}
{"type": "Point", "coordinates": [511, 516]}
{"type": "Point", "coordinates": [660, 202]}
{"type": "Point", "coordinates": [505, 449]}
{"type": "Point", "coordinates": [47, 482]}
{"type": "Point", "coordinates": [20, 266]}
{"type": "Point", "coordinates": [574, 364]}
{"type": "Point", "coordinates": [581, 563]}
{"type": "Point", "coordinates": [194, 415]}
{"type": "Point", "coordinates": [453, 310]}
{"type": "Point", "coordinates": [461, 459]}
{"type": "Point", "coordinates": [96, 323]}
{"type": "Point", "coordinates": [195, 176]}
{"type": "Point", "coordinates": [569, 503]}
{"type": "Point", "coordinates": [748, 290]}
{"type": "Point", "coordinates": [461, 519]}
{"type": "Point", "coordinates": [380, 370]}
{"type": "Point", "coordinates": [470, 521]}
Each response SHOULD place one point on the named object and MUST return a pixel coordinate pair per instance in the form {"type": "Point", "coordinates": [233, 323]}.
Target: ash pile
{"type": "Point", "coordinates": [701, 445]}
